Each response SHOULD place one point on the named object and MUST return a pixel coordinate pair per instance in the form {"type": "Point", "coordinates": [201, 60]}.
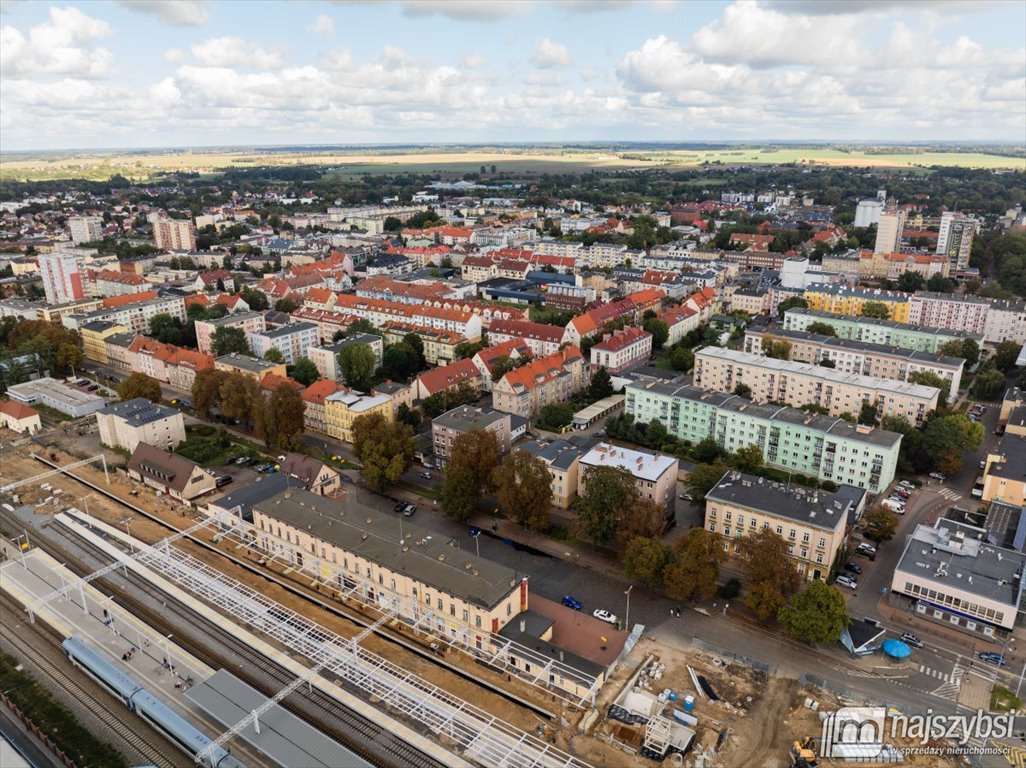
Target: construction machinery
{"type": "Point", "coordinates": [803, 753]}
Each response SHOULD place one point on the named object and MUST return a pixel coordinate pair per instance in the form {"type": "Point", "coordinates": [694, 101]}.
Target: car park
{"type": "Point", "coordinates": [909, 639]}
{"type": "Point", "coordinates": [603, 615]}
{"type": "Point", "coordinates": [907, 484]}
{"type": "Point", "coordinates": [902, 493]}
{"type": "Point", "coordinates": [571, 602]}
{"type": "Point", "coordinates": [993, 658]}
{"type": "Point", "coordinates": [866, 550]}
{"type": "Point", "coordinates": [853, 567]}
{"type": "Point", "coordinates": [844, 580]}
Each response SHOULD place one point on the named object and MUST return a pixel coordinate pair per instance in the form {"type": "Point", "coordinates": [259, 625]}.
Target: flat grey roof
{"type": "Point", "coordinates": [557, 453]}
{"type": "Point", "coordinates": [818, 508]}
{"type": "Point", "coordinates": [836, 342]}
{"type": "Point", "coordinates": [467, 417]}
{"type": "Point", "coordinates": [247, 362]}
{"type": "Point", "coordinates": [288, 330]}
{"type": "Point", "coordinates": [1013, 449]}
{"type": "Point", "coordinates": [375, 536]}
{"type": "Point", "coordinates": [261, 489]}
{"type": "Point", "coordinates": [238, 317]}
{"type": "Point", "coordinates": [283, 737]}
{"type": "Point", "coordinates": [956, 556]}
{"type": "Point", "coordinates": [831, 316]}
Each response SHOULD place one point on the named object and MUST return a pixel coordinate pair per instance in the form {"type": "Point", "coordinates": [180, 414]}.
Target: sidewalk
{"type": "Point", "coordinates": [926, 628]}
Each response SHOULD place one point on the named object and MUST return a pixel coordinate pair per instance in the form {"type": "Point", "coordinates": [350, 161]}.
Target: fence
{"type": "Point", "coordinates": [35, 731]}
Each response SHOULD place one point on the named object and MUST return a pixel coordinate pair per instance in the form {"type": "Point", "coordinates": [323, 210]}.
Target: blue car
{"type": "Point", "coordinates": [571, 602]}
{"type": "Point", "coordinates": [993, 658]}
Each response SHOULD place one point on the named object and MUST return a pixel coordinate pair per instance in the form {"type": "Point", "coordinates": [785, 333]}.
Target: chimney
{"type": "Point", "coordinates": [523, 625]}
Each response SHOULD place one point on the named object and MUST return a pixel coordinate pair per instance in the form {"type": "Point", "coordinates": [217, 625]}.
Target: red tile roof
{"type": "Point", "coordinates": [542, 370]}
{"type": "Point", "coordinates": [527, 330]}
{"type": "Point", "coordinates": [128, 298]}
{"type": "Point", "coordinates": [319, 390]}
{"type": "Point", "coordinates": [17, 410]}
{"type": "Point", "coordinates": [622, 339]}
{"type": "Point", "coordinates": [440, 379]}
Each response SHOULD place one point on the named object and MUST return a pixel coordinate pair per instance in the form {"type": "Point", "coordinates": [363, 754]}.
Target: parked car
{"type": "Point", "coordinates": [426, 475]}
{"type": "Point", "coordinates": [902, 493]}
{"type": "Point", "coordinates": [399, 506]}
{"type": "Point", "coordinates": [223, 480]}
{"type": "Point", "coordinates": [983, 464]}
{"type": "Point", "coordinates": [571, 602]}
{"type": "Point", "coordinates": [606, 616]}
{"type": "Point", "coordinates": [843, 580]}
{"type": "Point", "coordinates": [866, 550]}
{"type": "Point", "coordinates": [907, 484]}
{"type": "Point", "coordinates": [993, 658]}
{"type": "Point", "coordinates": [909, 639]}
{"type": "Point", "coordinates": [409, 510]}
{"type": "Point", "coordinates": [687, 497]}
{"type": "Point", "coordinates": [938, 476]}
{"type": "Point", "coordinates": [853, 567]}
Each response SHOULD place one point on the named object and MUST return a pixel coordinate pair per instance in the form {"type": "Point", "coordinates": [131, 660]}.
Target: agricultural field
{"type": "Point", "coordinates": [142, 166]}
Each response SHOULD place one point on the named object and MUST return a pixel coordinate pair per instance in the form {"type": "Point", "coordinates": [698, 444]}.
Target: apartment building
{"type": "Point", "coordinates": [94, 339]}
{"type": "Point", "coordinates": [247, 365]}
{"type": "Point", "coordinates": [174, 234]}
{"type": "Point", "coordinates": [489, 358]}
{"type": "Point", "coordinates": [870, 264]}
{"type": "Point", "coordinates": [524, 391]}
{"type": "Point", "coordinates": [955, 238]}
{"type": "Point", "coordinates": [326, 357]}
{"type": "Point", "coordinates": [343, 407]}
{"type": "Point", "coordinates": [85, 229]}
{"type": "Point", "coordinates": [680, 321]}
{"type": "Point", "coordinates": [110, 282]}
{"type": "Point", "coordinates": [1006, 321]}
{"type": "Point", "coordinates": [126, 424]}
{"type": "Point", "coordinates": [293, 341]}
{"type": "Point", "coordinates": [562, 459]}
{"type": "Point", "coordinates": [447, 377]}
{"type": "Point", "coordinates": [439, 346]}
{"type": "Point", "coordinates": [379, 312]}
{"type": "Point", "coordinates": [63, 278]}
{"type": "Point", "coordinates": [250, 322]}
{"type": "Point", "coordinates": [328, 321]}
{"type": "Point", "coordinates": [889, 229]}
{"type": "Point", "coordinates": [873, 331]}
{"type": "Point", "coordinates": [134, 315]}
{"type": "Point", "coordinates": [622, 350]}
{"type": "Point", "coordinates": [813, 523]}
{"type": "Point", "coordinates": [859, 357]}
{"type": "Point", "coordinates": [543, 339]}
{"type": "Point", "coordinates": [953, 575]}
{"type": "Point", "coordinates": [946, 310]}
{"type": "Point", "coordinates": [1004, 474]}
{"type": "Point", "coordinates": [819, 446]}
{"type": "Point", "coordinates": [845, 300]}
{"type": "Point", "coordinates": [655, 475]}
{"type": "Point", "coordinates": [466, 418]}
{"type": "Point", "coordinates": [802, 384]}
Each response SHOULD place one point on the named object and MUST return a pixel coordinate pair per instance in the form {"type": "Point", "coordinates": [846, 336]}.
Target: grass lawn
{"type": "Point", "coordinates": [211, 447]}
{"type": "Point", "coordinates": [1003, 700]}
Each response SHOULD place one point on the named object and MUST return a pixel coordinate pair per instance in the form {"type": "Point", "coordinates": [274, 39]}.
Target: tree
{"type": "Point", "coordinates": [695, 565]}
{"type": "Point", "coordinates": [940, 284]}
{"type": "Point", "coordinates": [400, 361]}
{"type": "Point", "coordinates": [817, 614]}
{"type": "Point", "coordinates": [274, 355]}
{"type": "Point", "coordinates": [523, 487]}
{"type": "Point", "coordinates": [283, 418]}
{"type": "Point", "coordinates": [641, 518]}
{"type": "Point", "coordinates": [747, 459]}
{"type": "Point", "coordinates": [607, 491]}
{"type": "Point", "coordinates": [140, 385]}
{"type": "Point", "coordinates": [989, 383]}
{"type": "Point", "coordinates": [356, 363]}
{"type": "Point", "coordinates": [772, 577]}
{"type": "Point", "coordinates": [931, 379]}
{"type": "Point", "coordinates": [681, 359]}
{"type": "Point", "coordinates": [660, 331]}
{"type": "Point", "coordinates": [1005, 355]}
{"type": "Point", "coordinates": [793, 302]}
{"type": "Point", "coordinates": [407, 415]}
{"type": "Point", "coordinates": [911, 281]}
{"type": "Point", "coordinates": [703, 478]}
{"type": "Point", "coordinates": [257, 300]}
{"type": "Point", "coordinates": [875, 309]}
{"type": "Point", "coordinates": [206, 391]}
{"type": "Point", "coordinates": [285, 305]}
{"type": "Point", "coordinates": [824, 329]}
{"type": "Point", "coordinates": [69, 356]}
{"type": "Point", "coordinates": [384, 448]}
{"type": "Point", "coordinates": [305, 371]}
{"type": "Point", "coordinates": [434, 405]}
{"type": "Point", "coordinates": [601, 384]}
{"type": "Point", "coordinates": [778, 349]}
{"type": "Point", "coordinates": [879, 523]}
{"type": "Point", "coordinates": [472, 458]}
{"type": "Point", "coordinates": [227, 339]}
{"type": "Point", "coordinates": [555, 416]}
{"type": "Point", "coordinates": [948, 438]}
{"type": "Point", "coordinates": [868, 414]}
{"type": "Point", "coordinates": [742, 390]}
{"type": "Point", "coordinates": [467, 349]}
{"type": "Point", "coordinates": [414, 342]}
{"type": "Point", "coordinates": [707, 450]}
{"type": "Point", "coordinates": [239, 395]}
{"type": "Point", "coordinates": [362, 325]}
{"type": "Point", "coordinates": [644, 559]}
{"type": "Point", "coordinates": [967, 349]}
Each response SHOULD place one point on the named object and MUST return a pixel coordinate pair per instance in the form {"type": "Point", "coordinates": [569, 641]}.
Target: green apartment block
{"type": "Point", "coordinates": [874, 331]}
{"type": "Point", "coordinates": [790, 439]}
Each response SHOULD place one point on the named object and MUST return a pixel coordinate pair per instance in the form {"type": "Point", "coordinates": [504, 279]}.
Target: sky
{"type": "Point", "coordinates": [151, 73]}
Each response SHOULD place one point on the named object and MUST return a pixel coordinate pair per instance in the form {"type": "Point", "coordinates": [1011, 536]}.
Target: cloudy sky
{"type": "Point", "coordinates": [146, 73]}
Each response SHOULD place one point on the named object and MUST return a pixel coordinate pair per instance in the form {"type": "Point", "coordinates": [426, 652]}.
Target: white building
{"type": "Point", "coordinates": [655, 475]}
{"type": "Point", "coordinates": [888, 232]}
{"type": "Point", "coordinates": [63, 280]}
{"type": "Point", "coordinates": [85, 229]}
{"type": "Point", "coordinates": [955, 239]}
{"type": "Point", "coordinates": [174, 234]}
{"type": "Point", "coordinates": [868, 212]}
{"type": "Point", "coordinates": [125, 425]}
{"type": "Point", "coordinates": [293, 341]}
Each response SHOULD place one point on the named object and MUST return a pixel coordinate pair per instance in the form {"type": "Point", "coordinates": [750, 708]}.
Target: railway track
{"type": "Point", "coordinates": [118, 722]}
{"type": "Point", "coordinates": [359, 734]}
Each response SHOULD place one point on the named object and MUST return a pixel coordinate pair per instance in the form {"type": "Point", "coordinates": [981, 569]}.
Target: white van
{"type": "Point", "coordinates": [895, 507]}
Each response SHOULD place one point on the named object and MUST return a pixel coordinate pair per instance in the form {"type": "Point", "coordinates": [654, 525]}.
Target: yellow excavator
{"type": "Point", "coordinates": [803, 754]}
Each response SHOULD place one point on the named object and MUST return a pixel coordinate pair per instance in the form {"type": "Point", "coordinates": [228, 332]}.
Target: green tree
{"type": "Point", "coordinates": [257, 300]}
{"type": "Point", "coordinates": [1005, 355]}
{"type": "Point", "coordinates": [660, 331]}
{"type": "Point", "coordinates": [607, 491]}
{"type": "Point", "coordinates": [227, 339]}
{"type": "Point", "coordinates": [879, 523]}
{"type": "Point", "coordinates": [384, 448]}
{"type": "Point", "coordinates": [911, 281]}
{"type": "Point", "coordinates": [414, 342]}
{"type": "Point", "coordinates": [824, 329]}
{"type": "Point", "coordinates": [868, 414]}
{"type": "Point", "coordinates": [601, 384]}
{"type": "Point", "coordinates": [434, 405]}
{"type": "Point", "coordinates": [501, 367]}
{"type": "Point", "coordinates": [967, 349]}
{"type": "Point", "coordinates": [641, 518]}
{"type": "Point", "coordinates": [877, 309]}
{"type": "Point", "coordinates": [305, 371]}
{"type": "Point", "coordinates": [361, 325]}
{"type": "Point", "coordinates": [274, 355]}
{"type": "Point", "coordinates": [948, 438]}
{"type": "Point", "coordinates": [282, 418]}
{"type": "Point", "coordinates": [555, 416]}
{"type": "Point", "coordinates": [140, 385]}
{"type": "Point", "coordinates": [68, 356]}
{"type": "Point", "coordinates": [406, 415]}
{"type": "Point", "coordinates": [817, 614]}
{"type": "Point", "coordinates": [206, 391]}
{"type": "Point", "coordinates": [772, 576]}
{"type": "Point", "coordinates": [239, 397]}
{"type": "Point", "coordinates": [694, 567]}
{"type": "Point", "coordinates": [467, 349]}
{"type": "Point", "coordinates": [681, 359]}
{"type": "Point", "coordinates": [644, 559]}
{"type": "Point", "coordinates": [400, 361]}
{"type": "Point", "coordinates": [793, 302]}
{"type": "Point", "coordinates": [988, 385]}
{"type": "Point", "coordinates": [472, 458]}
{"type": "Point", "coordinates": [285, 305]}
{"type": "Point", "coordinates": [742, 390]}
{"type": "Point", "coordinates": [356, 363]}
{"type": "Point", "coordinates": [703, 478]}
{"type": "Point", "coordinates": [747, 459]}
{"type": "Point", "coordinates": [523, 487]}
{"type": "Point", "coordinates": [940, 284]}
{"type": "Point", "coordinates": [776, 348]}
{"type": "Point", "coordinates": [707, 450]}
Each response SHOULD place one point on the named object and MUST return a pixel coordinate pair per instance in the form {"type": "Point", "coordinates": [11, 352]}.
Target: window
{"type": "Point", "coordinates": [477, 622]}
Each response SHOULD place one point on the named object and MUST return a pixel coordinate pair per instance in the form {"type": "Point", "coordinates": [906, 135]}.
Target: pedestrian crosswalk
{"type": "Point", "coordinates": [934, 673]}
{"type": "Point", "coordinates": [952, 683]}
{"type": "Point", "coordinates": [949, 494]}
{"type": "Point", "coordinates": [1015, 756]}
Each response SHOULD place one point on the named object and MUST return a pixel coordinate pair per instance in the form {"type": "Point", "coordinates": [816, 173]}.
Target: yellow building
{"type": "Point", "coordinates": [253, 367]}
{"type": "Point", "coordinates": [1004, 476]}
{"type": "Point", "coordinates": [94, 337]}
{"type": "Point", "coordinates": [342, 408]}
{"type": "Point", "coordinates": [843, 300]}
{"type": "Point", "coordinates": [439, 344]}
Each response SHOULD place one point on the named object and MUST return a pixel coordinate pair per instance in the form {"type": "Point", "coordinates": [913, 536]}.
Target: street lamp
{"type": "Point", "coordinates": [475, 533]}
{"type": "Point", "coordinates": [627, 615]}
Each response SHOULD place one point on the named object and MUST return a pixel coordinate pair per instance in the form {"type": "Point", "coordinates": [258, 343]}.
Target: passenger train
{"type": "Point", "coordinates": [149, 707]}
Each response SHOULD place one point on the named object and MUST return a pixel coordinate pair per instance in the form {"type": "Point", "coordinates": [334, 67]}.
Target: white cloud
{"type": "Point", "coordinates": [549, 54]}
{"type": "Point", "coordinates": [54, 47]}
{"type": "Point", "coordinates": [235, 52]}
{"type": "Point", "coordinates": [174, 55]}
{"type": "Point", "coordinates": [186, 13]}
{"type": "Point", "coordinates": [468, 10]}
{"type": "Point", "coordinates": [322, 25]}
{"type": "Point", "coordinates": [474, 61]}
